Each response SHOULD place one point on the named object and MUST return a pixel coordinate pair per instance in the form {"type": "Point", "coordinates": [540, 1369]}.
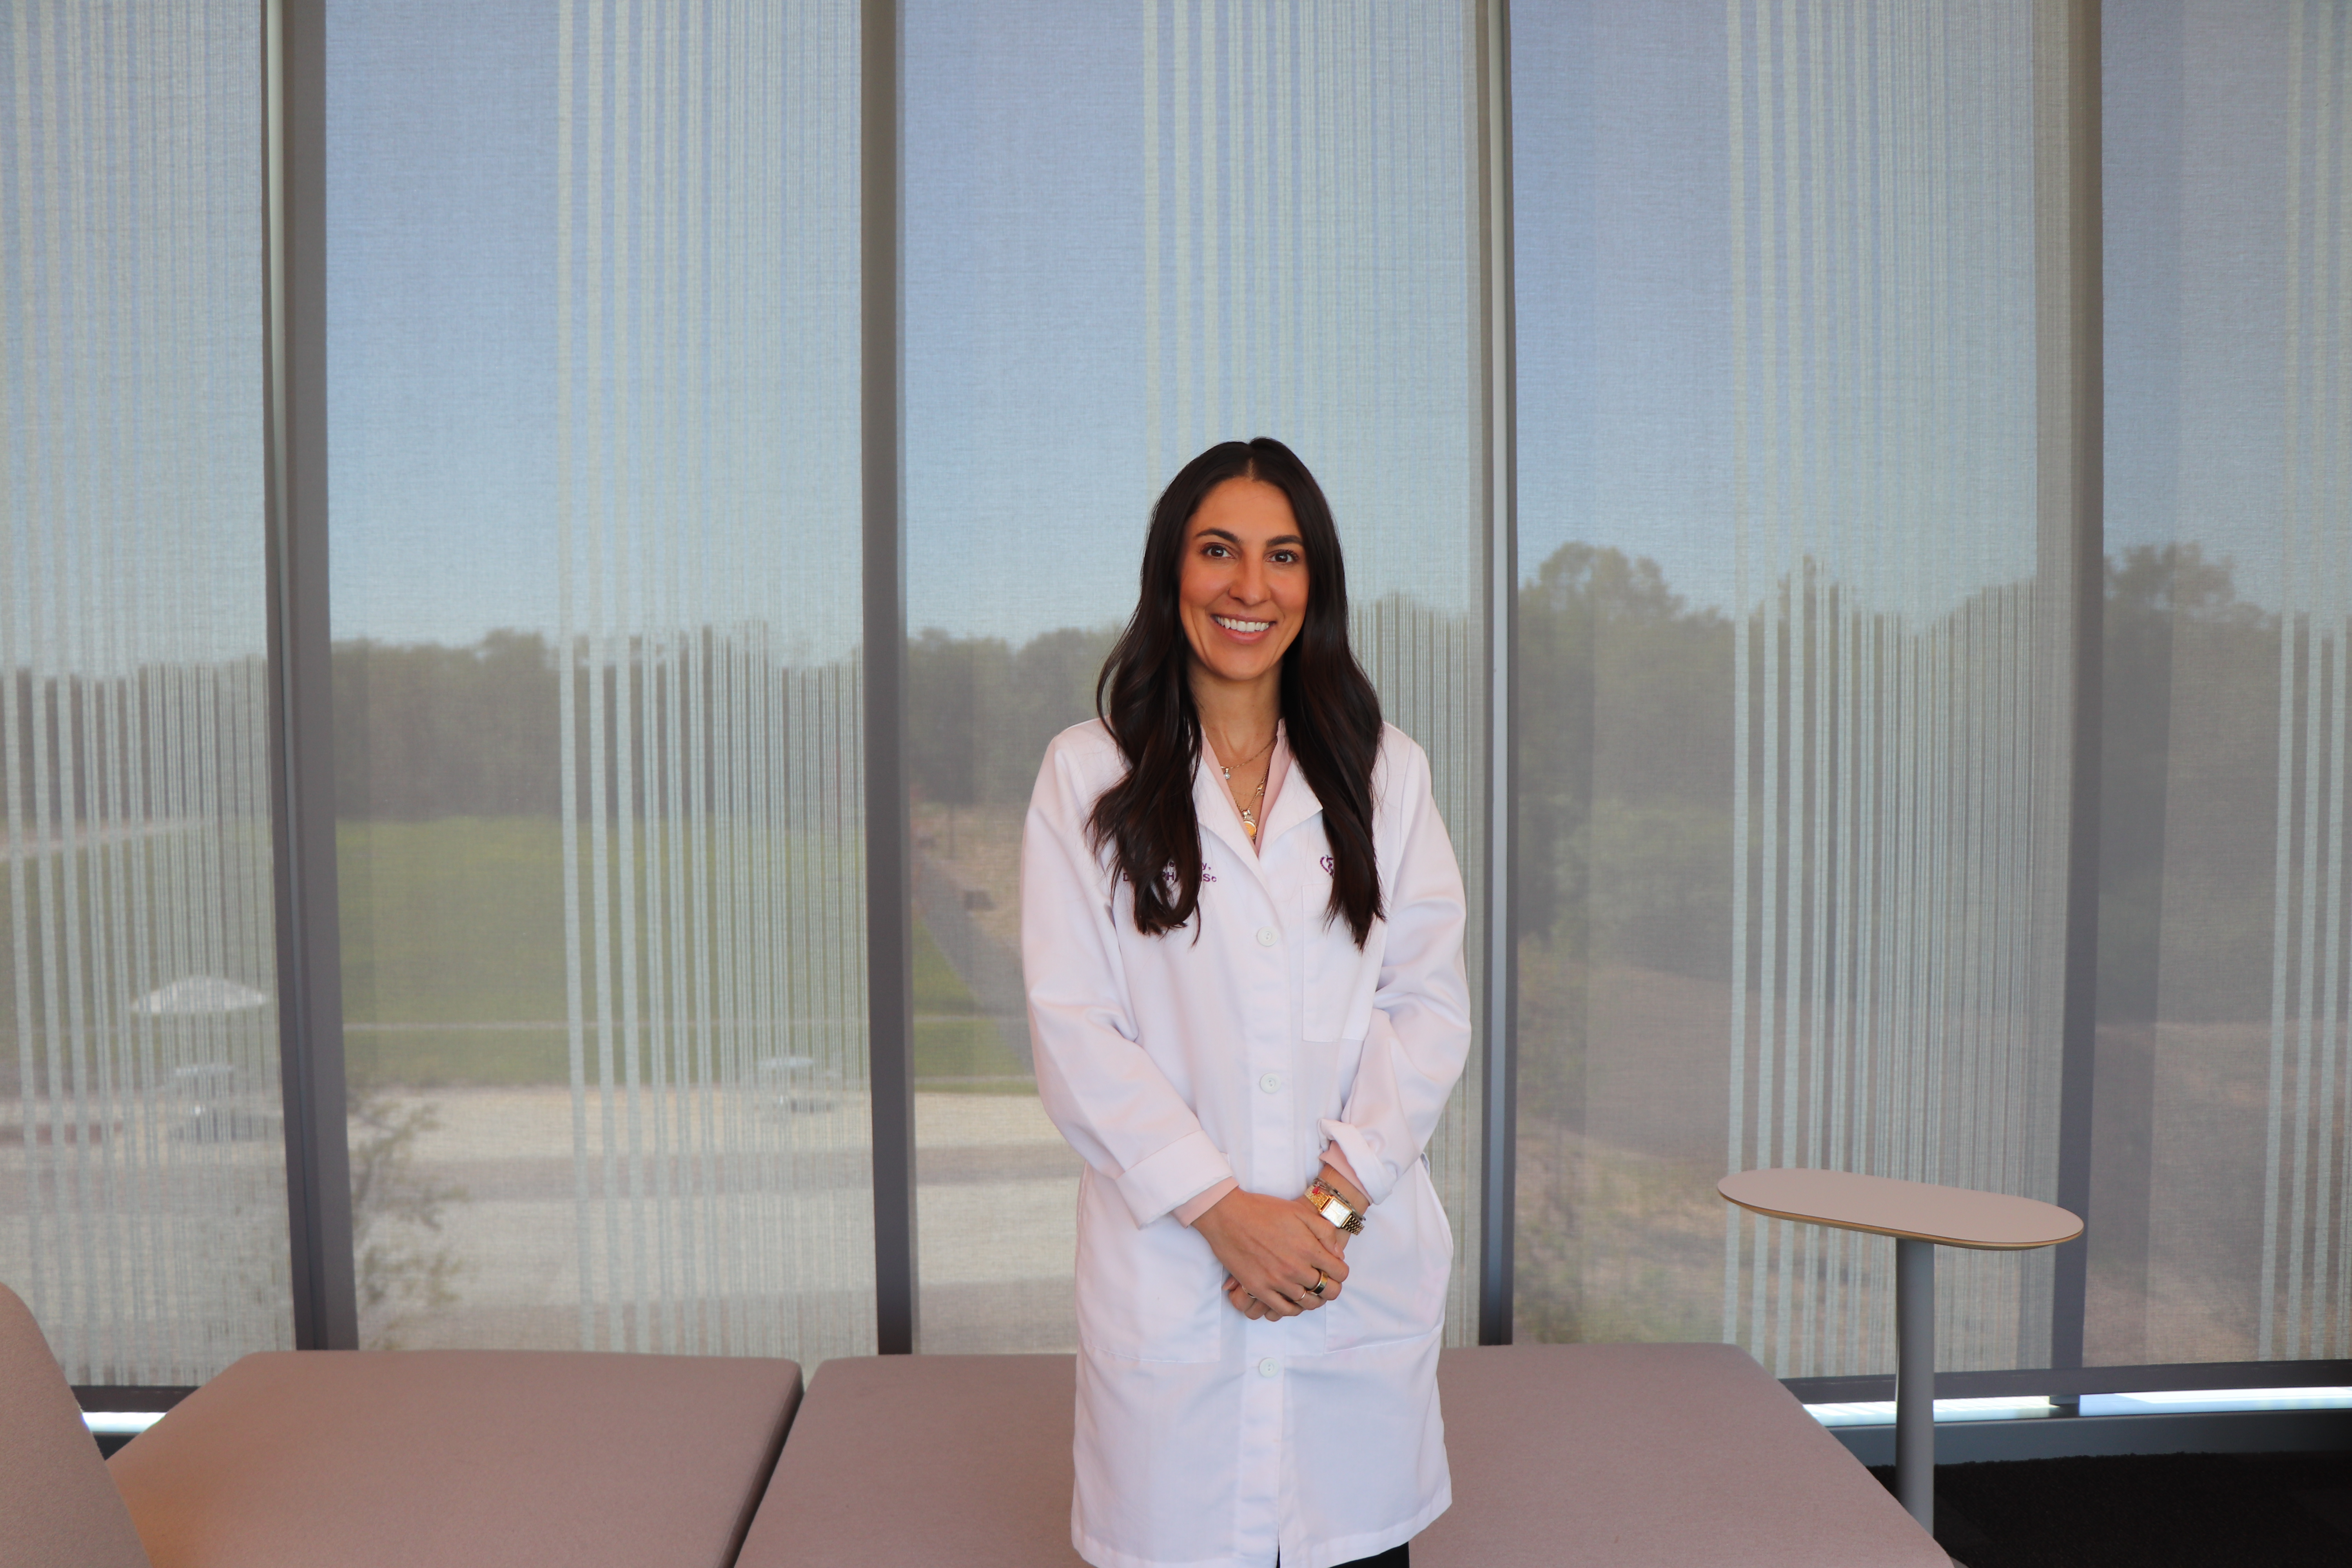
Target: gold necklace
{"type": "Point", "coordinates": [1249, 812]}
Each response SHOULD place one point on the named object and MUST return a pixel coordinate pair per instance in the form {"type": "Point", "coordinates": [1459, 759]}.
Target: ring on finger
{"type": "Point", "coordinates": [1321, 1283]}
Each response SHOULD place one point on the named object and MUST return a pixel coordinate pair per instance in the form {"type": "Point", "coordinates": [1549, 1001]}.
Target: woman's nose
{"type": "Point", "coordinates": [1249, 586]}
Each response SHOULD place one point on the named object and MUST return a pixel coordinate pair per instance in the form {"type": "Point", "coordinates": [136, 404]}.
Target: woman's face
{"type": "Point", "coordinates": [1243, 595]}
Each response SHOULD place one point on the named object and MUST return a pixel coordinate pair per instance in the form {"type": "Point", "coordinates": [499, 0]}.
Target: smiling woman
{"type": "Point", "coordinates": [1245, 1091]}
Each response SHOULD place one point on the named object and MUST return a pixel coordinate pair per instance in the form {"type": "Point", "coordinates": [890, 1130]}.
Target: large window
{"type": "Point", "coordinates": [2222, 1227]}
{"type": "Point", "coordinates": [1800, 484]}
{"type": "Point", "coordinates": [1793, 646]}
{"type": "Point", "coordinates": [593, 332]}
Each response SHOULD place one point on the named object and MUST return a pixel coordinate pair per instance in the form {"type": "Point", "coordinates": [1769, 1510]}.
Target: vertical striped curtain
{"type": "Point", "coordinates": [705, 276]}
{"type": "Point", "coordinates": [142, 1203]}
{"type": "Point", "coordinates": [1899, 709]}
{"type": "Point", "coordinates": [2306, 1307]}
{"type": "Point", "coordinates": [1312, 272]}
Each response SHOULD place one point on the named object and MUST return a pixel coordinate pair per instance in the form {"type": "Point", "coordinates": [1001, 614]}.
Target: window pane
{"type": "Point", "coordinates": [2220, 1219]}
{"type": "Point", "coordinates": [1130, 234]}
{"type": "Point", "coordinates": [1793, 630]}
{"type": "Point", "coordinates": [593, 335]}
{"type": "Point", "coordinates": [142, 1170]}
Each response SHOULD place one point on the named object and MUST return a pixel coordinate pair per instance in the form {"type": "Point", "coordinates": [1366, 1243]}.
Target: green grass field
{"type": "Point", "coordinates": [453, 971]}
{"type": "Point", "coordinates": [453, 951]}
{"type": "Point", "coordinates": [454, 961]}
{"type": "Point", "coordinates": [952, 1041]}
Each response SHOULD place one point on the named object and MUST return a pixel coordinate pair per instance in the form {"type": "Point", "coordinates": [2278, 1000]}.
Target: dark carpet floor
{"type": "Point", "coordinates": [2148, 1511]}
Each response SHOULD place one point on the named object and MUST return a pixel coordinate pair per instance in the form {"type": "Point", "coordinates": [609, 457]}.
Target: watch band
{"type": "Point", "coordinates": [1335, 1208]}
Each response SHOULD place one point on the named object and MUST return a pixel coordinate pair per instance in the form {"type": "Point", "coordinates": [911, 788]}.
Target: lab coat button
{"type": "Point", "coordinates": [1270, 1083]}
{"type": "Point", "coordinates": [1267, 936]}
{"type": "Point", "coordinates": [1269, 1367]}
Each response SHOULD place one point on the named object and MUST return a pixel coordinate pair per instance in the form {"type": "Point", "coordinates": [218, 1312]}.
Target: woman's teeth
{"type": "Point", "coordinates": [1246, 628]}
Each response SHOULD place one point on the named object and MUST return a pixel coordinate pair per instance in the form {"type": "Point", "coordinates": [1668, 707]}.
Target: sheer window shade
{"type": "Point", "coordinates": [596, 293]}
{"type": "Point", "coordinates": [2221, 1152]}
{"type": "Point", "coordinates": [2304, 1299]}
{"type": "Point", "coordinates": [1793, 770]}
{"type": "Point", "coordinates": [1899, 801]}
{"type": "Point", "coordinates": [140, 1116]}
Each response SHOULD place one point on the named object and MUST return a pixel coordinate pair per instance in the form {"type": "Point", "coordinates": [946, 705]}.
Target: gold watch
{"type": "Point", "coordinates": [1333, 1207]}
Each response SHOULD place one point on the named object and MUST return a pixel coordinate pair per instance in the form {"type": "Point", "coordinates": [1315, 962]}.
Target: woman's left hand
{"type": "Point", "coordinates": [1250, 1306]}
{"type": "Point", "coordinates": [1277, 1251]}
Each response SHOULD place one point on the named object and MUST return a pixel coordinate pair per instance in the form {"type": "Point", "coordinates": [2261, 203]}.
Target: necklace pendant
{"type": "Point", "coordinates": [1249, 827]}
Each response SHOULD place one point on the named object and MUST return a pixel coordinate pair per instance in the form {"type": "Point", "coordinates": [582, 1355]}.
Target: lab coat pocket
{"type": "Point", "coordinates": [1144, 1292]}
{"type": "Point", "coordinates": [1397, 1270]}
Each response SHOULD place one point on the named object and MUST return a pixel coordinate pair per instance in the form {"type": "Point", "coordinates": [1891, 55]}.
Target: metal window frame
{"type": "Point", "coordinates": [1498, 1161]}
{"type": "Point", "coordinates": [2077, 163]}
{"type": "Point", "coordinates": [889, 854]}
{"type": "Point", "coordinates": [301, 693]}
{"type": "Point", "coordinates": [2075, 1380]}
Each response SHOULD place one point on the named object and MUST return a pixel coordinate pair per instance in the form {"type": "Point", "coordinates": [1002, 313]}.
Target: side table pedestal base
{"type": "Point", "coordinates": [1914, 1379]}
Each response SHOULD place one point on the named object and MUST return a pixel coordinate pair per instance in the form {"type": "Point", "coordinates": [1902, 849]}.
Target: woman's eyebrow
{"type": "Point", "coordinates": [1234, 538]}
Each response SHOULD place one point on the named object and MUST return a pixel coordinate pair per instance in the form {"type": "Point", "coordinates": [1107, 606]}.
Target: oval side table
{"type": "Point", "coordinates": [1920, 1217]}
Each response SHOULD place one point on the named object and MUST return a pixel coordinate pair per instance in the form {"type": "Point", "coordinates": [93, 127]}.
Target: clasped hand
{"type": "Point", "coordinates": [1275, 1250]}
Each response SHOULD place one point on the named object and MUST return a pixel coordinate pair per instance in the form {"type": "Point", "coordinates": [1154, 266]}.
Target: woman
{"type": "Point", "coordinates": [1242, 926]}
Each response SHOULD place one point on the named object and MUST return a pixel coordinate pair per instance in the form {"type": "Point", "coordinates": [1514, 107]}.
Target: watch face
{"type": "Point", "coordinates": [1337, 1212]}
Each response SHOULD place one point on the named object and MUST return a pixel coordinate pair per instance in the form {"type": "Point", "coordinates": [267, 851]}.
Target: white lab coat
{"type": "Point", "coordinates": [1241, 1045]}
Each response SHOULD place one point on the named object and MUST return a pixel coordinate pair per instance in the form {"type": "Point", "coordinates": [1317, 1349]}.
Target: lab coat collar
{"type": "Point", "coordinates": [1294, 804]}
{"type": "Point", "coordinates": [1213, 806]}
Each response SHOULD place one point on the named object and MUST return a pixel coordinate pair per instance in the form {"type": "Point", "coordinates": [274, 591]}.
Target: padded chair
{"type": "Point", "coordinates": [1633, 1456]}
{"type": "Point", "coordinates": [418, 1458]}
{"type": "Point", "coordinates": [56, 1499]}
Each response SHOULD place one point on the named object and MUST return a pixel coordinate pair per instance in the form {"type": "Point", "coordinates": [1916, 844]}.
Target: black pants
{"type": "Point", "coordinates": [1394, 1557]}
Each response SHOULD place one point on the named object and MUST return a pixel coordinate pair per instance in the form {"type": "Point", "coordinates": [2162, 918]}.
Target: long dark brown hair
{"type": "Point", "coordinates": [1144, 696]}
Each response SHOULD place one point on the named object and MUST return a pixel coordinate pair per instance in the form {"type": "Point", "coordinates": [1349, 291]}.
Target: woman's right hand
{"type": "Point", "coordinates": [1273, 1249]}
